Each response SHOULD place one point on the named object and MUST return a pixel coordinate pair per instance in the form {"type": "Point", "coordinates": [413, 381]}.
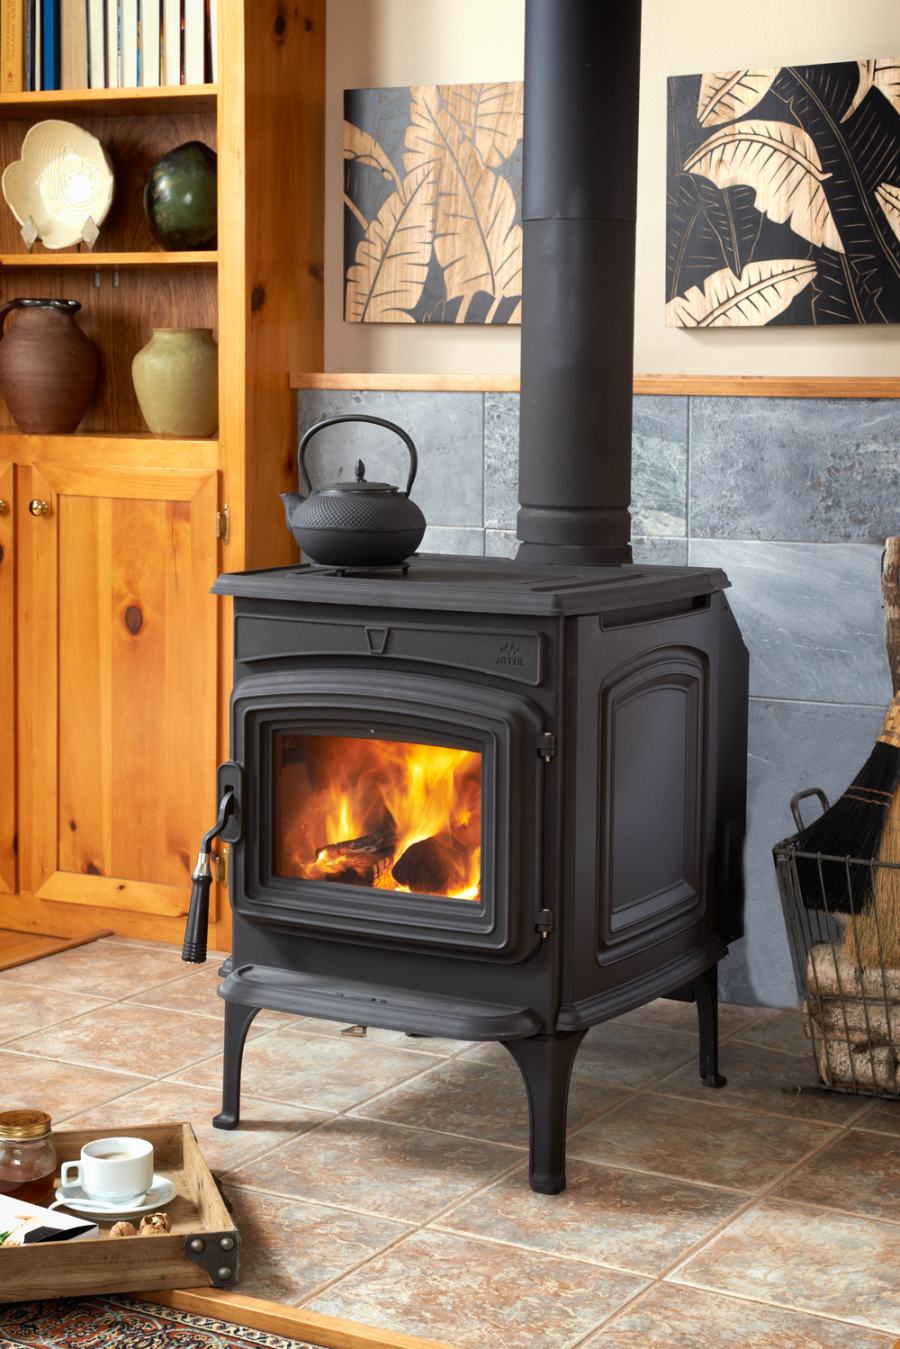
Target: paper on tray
{"type": "Point", "coordinates": [21, 1224]}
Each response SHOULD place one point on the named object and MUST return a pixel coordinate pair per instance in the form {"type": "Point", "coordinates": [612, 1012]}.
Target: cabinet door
{"type": "Point", "coordinates": [8, 813]}
{"type": "Point", "coordinates": [123, 686]}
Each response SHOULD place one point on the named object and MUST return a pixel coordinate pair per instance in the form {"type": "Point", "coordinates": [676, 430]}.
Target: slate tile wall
{"type": "Point", "coordinates": [793, 498]}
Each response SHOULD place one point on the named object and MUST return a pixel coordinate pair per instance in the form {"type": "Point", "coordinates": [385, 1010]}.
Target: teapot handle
{"type": "Point", "coordinates": [4, 310]}
{"type": "Point", "coordinates": [355, 417]}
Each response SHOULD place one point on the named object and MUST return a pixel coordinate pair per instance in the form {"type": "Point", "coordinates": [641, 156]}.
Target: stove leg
{"type": "Point", "coordinates": [237, 1023]}
{"type": "Point", "coordinates": [545, 1062]}
{"type": "Point", "coordinates": [706, 991]}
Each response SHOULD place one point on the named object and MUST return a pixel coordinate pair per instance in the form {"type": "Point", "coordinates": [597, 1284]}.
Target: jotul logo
{"type": "Point", "coordinates": [509, 655]}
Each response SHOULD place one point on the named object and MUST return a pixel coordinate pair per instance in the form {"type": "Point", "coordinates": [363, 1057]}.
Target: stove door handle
{"type": "Point", "coordinates": [194, 948]}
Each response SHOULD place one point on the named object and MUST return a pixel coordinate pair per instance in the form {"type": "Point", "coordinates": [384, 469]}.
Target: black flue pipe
{"type": "Point", "coordinates": [579, 180]}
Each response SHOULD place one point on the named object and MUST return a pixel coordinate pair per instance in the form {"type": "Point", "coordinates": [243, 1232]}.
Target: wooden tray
{"type": "Point", "coordinates": [201, 1251]}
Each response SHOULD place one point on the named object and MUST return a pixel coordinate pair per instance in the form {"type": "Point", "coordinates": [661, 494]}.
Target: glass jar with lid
{"type": "Point", "coordinates": [27, 1156]}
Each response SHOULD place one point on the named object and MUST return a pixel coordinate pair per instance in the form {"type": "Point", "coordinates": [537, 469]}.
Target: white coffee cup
{"type": "Point", "coordinates": [111, 1170]}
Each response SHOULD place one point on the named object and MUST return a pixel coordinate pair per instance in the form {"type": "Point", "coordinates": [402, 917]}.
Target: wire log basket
{"type": "Point", "coordinates": [849, 994]}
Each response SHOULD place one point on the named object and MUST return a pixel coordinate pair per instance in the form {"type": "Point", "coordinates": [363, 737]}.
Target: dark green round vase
{"type": "Point", "coordinates": [180, 198]}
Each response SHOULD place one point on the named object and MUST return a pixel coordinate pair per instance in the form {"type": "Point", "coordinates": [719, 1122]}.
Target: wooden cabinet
{"type": "Point", "coordinates": [114, 658]}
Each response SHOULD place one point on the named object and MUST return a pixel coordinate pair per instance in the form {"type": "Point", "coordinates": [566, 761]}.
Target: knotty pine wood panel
{"type": "Point", "coordinates": [133, 144]}
{"type": "Point", "coordinates": [8, 828]}
{"type": "Point", "coordinates": [125, 680]}
{"type": "Point", "coordinates": [119, 320]}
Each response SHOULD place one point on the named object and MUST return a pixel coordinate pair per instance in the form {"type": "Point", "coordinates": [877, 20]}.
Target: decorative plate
{"type": "Point", "coordinates": [64, 178]}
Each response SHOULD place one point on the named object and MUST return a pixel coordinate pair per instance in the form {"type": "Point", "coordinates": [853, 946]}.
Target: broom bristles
{"type": "Point", "coordinates": [874, 939]}
{"type": "Point", "coordinates": [853, 827]}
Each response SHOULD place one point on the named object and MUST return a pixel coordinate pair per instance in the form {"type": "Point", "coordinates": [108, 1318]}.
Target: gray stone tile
{"type": "Point", "coordinates": [660, 552]}
{"type": "Point", "coordinates": [792, 746]}
{"type": "Point", "coordinates": [500, 543]}
{"type": "Point", "coordinates": [808, 469]}
{"type": "Point", "coordinates": [501, 460]}
{"type": "Point", "coordinates": [659, 466]}
{"type": "Point", "coordinates": [810, 615]}
{"type": "Point", "coordinates": [448, 432]}
{"type": "Point", "coordinates": [440, 539]}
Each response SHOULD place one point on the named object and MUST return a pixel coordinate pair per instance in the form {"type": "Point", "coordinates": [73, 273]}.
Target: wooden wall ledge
{"type": "Point", "coordinates": [710, 386]}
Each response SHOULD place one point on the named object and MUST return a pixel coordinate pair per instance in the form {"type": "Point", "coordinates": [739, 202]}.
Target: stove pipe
{"type": "Point", "coordinates": [582, 76]}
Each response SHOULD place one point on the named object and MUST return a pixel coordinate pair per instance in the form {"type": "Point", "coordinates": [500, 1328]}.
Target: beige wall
{"type": "Point", "coordinates": [375, 43]}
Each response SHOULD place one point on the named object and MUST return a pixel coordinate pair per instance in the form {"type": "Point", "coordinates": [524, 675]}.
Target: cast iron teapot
{"type": "Point", "coordinates": [355, 524]}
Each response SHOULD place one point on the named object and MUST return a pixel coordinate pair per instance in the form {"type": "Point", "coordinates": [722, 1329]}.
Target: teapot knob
{"type": "Point", "coordinates": [360, 470]}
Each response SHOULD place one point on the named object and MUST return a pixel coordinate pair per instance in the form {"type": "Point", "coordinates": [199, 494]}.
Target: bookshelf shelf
{"type": "Point", "coordinates": [49, 259]}
{"type": "Point", "coordinates": [134, 449]}
{"type": "Point", "coordinates": [171, 98]}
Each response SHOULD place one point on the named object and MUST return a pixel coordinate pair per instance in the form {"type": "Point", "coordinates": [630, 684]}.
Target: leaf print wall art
{"type": "Point", "coordinates": [783, 200]}
{"type": "Point", "coordinates": [432, 204]}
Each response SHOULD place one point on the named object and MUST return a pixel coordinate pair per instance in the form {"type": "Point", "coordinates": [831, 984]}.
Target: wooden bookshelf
{"type": "Point", "coordinates": [115, 662]}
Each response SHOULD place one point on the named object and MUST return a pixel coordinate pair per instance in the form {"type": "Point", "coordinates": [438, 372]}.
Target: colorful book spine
{"type": "Point", "coordinates": [73, 44]}
{"type": "Point", "coordinates": [112, 44]}
{"type": "Point", "coordinates": [171, 41]}
{"type": "Point", "coordinates": [128, 18]}
{"type": "Point", "coordinates": [50, 50]}
{"type": "Point", "coordinates": [151, 22]}
{"type": "Point", "coordinates": [30, 35]}
{"type": "Point", "coordinates": [214, 39]}
{"type": "Point", "coordinates": [12, 46]}
{"type": "Point", "coordinates": [96, 44]}
{"type": "Point", "coordinates": [193, 41]}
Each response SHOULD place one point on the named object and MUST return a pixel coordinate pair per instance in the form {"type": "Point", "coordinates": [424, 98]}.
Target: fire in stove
{"type": "Point", "coordinates": [386, 814]}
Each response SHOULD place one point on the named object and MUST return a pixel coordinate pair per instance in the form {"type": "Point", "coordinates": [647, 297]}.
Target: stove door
{"type": "Point", "coordinates": [401, 809]}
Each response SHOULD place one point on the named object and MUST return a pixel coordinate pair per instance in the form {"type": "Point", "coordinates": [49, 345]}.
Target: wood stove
{"type": "Point", "coordinates": [487, 799]}
{"type": "Point", "coordinates": [483, 800]}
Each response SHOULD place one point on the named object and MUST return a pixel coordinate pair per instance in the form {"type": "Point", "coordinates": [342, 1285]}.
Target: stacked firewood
{"type": "Point", "coordinates": [853, 1019]}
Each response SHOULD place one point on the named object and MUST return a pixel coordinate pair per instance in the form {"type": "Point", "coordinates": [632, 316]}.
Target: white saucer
{"type": "Point", "coordinates": [160, 1192]}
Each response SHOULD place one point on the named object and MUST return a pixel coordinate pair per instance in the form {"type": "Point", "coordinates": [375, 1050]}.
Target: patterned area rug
{"type": "Point", "coordinates": [121, 1323]}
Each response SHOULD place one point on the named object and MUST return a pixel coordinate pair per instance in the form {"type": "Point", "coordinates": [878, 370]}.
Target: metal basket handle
{"type": "Point", "coordinates": [800, 796]}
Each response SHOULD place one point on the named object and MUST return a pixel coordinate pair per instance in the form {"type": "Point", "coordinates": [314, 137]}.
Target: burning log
{"type": "Point", "coordinates": [359, 861]}
{"type": "Point", "coordinates": [424, 868]}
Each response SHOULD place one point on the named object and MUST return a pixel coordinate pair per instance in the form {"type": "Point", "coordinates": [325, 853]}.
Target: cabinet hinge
{"type": "Point", "coordinates": [223, 867]}
{"type": "Point", "coordinates": [223, 525]}
{"type": "Point", "coordinates": [544, 922]}
{"type": "Point", "coordinates": [546, 745]}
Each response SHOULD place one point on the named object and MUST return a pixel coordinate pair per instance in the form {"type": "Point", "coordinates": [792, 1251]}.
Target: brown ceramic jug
{"type": "Point", "coordinates": [48, 368]}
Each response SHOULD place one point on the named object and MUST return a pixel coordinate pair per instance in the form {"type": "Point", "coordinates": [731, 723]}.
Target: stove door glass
{"type": "Point", "coordinates": [383, 814]}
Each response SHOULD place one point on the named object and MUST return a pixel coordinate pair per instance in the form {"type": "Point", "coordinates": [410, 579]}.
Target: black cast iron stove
{"type": "Point", "coordinates": [488, 799]}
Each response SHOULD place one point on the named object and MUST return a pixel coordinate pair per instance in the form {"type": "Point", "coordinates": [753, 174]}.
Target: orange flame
{"type": "Point", "coordinates": [379, 813]}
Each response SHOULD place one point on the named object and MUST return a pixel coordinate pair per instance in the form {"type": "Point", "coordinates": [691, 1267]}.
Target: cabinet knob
{"type": "Point", "coordinates": [2, 507]}
{"type": "Point", "coordinates": [38, 507]}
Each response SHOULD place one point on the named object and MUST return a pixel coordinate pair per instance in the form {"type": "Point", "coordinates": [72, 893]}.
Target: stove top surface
{"type": "Point", "coordinates": [479, 584]}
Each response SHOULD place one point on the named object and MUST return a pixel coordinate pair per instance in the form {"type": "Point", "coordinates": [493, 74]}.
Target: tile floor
{"type": "Point", "coordinates": [385, 1180]}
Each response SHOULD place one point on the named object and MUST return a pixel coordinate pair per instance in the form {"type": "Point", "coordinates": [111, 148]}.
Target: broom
{"type": "Point", "coordinates": [873, 939]}
{"type": "Point", "coordinates": [853, 827]}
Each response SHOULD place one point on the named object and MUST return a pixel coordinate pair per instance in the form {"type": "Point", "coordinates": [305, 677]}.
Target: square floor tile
{"type": "Point", "coordinates": [859, 1172]}
{"type": "Point", "coordinates": [478, 1294]}
{"type": "Point", "coordinates": [478, 1100]}
{"type": "Point", "coordinates": [669, 1317]}
{"type": "Point", "coordinates": [765, 1080]}
{"type": "Point", "coordinates": [883, 1118]}
{"type": "Point", "coordinates": [696, 1141]}
{"type": "Point", "coordinates": [778, 1030]}
{"type": "Point", "coordinates": [58, 1088]}
{"type": "Point", "coordinates": [807, 1258]}
{"type": "Point", "coordinates": [264, 1124]}
{"type": "Point", "coordinates": [289, 1249]}
{"type": "Point", "coordinates": [28, 1009]}
{"type": "Point", "coordinates": [376, 1035]}
{"type": "Point", "coordinates": [314, 1070]}
{"type": "Point", "coordinates": [672, 1014]}
{"type": "Point", "coordinates": [615, 1053]}
{"type": "Point", "coordinates": [197, 992]}
{"type": "Point", "coordinates": [636, 1222]}
{"type": "Point", "coordinates": [408, 1174]}
{"type": "Point", "coordinates": [128, 1038]}
{"type": "Point", "coordinates": [105, 968]}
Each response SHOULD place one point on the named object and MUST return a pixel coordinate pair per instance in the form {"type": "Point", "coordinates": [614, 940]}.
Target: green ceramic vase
{"type": "Point", "coordinates": [180, 198]}
{"type": "Point", "coordinates": [176, 379]}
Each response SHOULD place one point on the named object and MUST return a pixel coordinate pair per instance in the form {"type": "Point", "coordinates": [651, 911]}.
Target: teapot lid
{"type": "Point", "coordinates": [359, 486]}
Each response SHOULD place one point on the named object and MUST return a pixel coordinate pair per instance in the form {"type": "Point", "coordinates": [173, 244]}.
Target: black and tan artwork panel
{"type": "Point", "coordinates": [432, 204]}
{"type": "Point", "coordinates": [783, 200]}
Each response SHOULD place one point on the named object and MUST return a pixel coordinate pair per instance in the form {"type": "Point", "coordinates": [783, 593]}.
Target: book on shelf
{"type": "Point", "coordinates": [106, 44]}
